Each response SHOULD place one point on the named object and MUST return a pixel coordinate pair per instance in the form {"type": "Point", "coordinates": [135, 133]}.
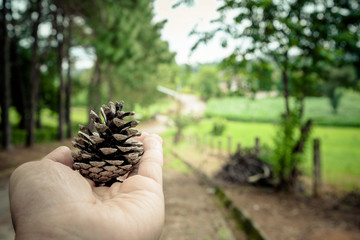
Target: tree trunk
{"type": "Point", "coordinates": [61, 93]}
{"type": "Point", "coordinates": [34, 79]}
{"type": "Point", "coordinates": [5, 78]}
{"type": "Point", "coordinates": [68, 83]}
{"type": "Point", "coordinates": [304, 135]}
{"type": "Point", "coordinates": [111, 84]}
{"type": "Point", "coordinates": [98, 89]}
{"type": "Point", "coordinates": [178, 123]}
{"type": "Point", "coordinates": [38, 122]}
{"type": "Point", "coordinates": [94, 88]}
{"type": "Point", "coordinates": [285, 80]}
{"type": "Point", "coordinates": [21, 83]}
{"type": "Point", "coordinates": [302, 107]}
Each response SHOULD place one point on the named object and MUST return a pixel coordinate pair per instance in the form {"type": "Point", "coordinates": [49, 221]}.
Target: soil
{"type": "Point", "coordinates": [284, 216]}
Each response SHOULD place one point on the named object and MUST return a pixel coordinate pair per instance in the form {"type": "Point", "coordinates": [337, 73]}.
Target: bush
{"type": "Point", "coordinates": [219, 126]}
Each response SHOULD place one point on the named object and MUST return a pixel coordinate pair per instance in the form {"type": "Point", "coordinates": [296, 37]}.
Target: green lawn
{"type": "Point", "coordinates": [340, 150]}
{"type": "Point", "coordinates": [340, 147]}
{"type": "Point", "coordinates": [269, 109]}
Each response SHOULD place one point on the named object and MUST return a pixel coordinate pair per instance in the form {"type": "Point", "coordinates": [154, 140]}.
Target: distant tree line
{"type": "Point", "coordinates": [36, 64]}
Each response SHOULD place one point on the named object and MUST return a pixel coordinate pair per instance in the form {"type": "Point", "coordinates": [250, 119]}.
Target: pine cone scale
{"type": "Point", "coordinates": [97, 164]}
{"type": "Point", "coordinates": [114, 162]}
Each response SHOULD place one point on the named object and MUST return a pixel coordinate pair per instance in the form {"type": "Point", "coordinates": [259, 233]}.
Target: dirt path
{"type": "Point", "coordinates": [191, 210]}
{"type": "Point", "coordinates": [6, 230]}
{"type": "Point", "coordinates": [192, 105]}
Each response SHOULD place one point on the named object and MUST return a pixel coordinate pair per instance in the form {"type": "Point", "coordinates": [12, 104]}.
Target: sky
{"type": "Point", "coordinates": [181, 21]}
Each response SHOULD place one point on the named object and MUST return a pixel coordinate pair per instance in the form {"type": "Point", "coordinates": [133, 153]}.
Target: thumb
{"type": "Point", "coordinates": [62, 155]}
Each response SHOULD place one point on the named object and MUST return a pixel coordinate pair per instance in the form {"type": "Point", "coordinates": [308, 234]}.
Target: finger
{"type": "Point", "coordinates": [91, 182]}
{"type": "Point", "coordinates": [62, 155]}
{"type": "Point", "coordinates": [101, 193]}
{"type": "Point", "coordinates": [152, 161]}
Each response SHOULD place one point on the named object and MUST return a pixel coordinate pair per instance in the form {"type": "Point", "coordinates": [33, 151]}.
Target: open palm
{"type": "Point", "coordinates": [49, 200]}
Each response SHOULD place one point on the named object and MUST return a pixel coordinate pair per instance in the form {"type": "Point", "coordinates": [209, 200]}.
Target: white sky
{"type": "Point", "coordinates": [181, 21]}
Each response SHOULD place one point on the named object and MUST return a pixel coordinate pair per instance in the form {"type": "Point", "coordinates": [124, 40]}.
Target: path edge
{"type": "Point", "coordinates": [244, 222]}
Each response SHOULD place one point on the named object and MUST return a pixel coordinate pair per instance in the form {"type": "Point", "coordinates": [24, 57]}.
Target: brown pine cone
{"type": "Point", "coordinates": [107, 154]}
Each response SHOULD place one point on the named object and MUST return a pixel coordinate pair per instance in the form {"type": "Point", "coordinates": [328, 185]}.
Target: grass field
{"type": "Point", "coordinates": [340, 147]}
{"type": "Point", "coordinates": [269, 109]}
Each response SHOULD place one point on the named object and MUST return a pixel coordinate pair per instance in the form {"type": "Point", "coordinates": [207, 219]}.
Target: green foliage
{"type": "Point", "coordinates": [285, 161]}
{"type": "Point", "coordinates": [261, 75]}
{"type": "Point", "coordinates": [162, 106]}
{"type": "Point", "coordinates": [47, 133]}
{"type": "Point", "coordinates": [336, 78]}
{"type": "Point", "coordinates": [268, 109]}
{"type": "Point", "coordinates": [219, 126]}
{"type": "Point", "coordinates": [334, 98]}
{"type": "Point", "coordinates": [248, 77]}
{"type": "Point", "coordinates": [206, 82]}
{"type": "Point", "coordinates": [301, 37]}
{"type": "Point", "coordinates": [128, 48]}
{"type": "Point", "coordinates": [170, 75]}
{"type": "Point", "coordinates": [181, 121]}
{"type": "Point", "coordinates": [305, 84]}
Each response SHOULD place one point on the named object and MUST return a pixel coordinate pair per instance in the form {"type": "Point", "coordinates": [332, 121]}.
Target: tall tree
{"type": "Point", "coordinates": [59, 27]}
{"type": "Point", "coordinates": [128, 48]}
{"type": "Point", "coordinates": [68, 86]}
{"type": "Point", "coordinates": [5, 74]}
{"type": "Point", "coordinates": [34, 74]}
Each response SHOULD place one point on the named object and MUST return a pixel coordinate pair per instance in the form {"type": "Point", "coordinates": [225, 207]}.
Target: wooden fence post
{"type": "Point", "coordinates": [199, 141]}
{"type": "Point", "coordinates": [219, 146]}
{"type": "Point", "coordinates": [229, 145]}
{"type": "Point", "coordinates": [317, 168]}
{"type": "Point", "coordinates": [257, 146]}
{"type": "Point", "coordinates": [212, 147]}
{"type": "Point", "coordinates": [238, 147]}
{"type": "Point", "coordinates": [197, 144]}
{"type": "Point", "coordinates": [205, 141]}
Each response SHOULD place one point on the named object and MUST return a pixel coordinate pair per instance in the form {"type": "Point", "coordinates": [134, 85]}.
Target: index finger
{"type": "Point", "coordinates": [151, 162]}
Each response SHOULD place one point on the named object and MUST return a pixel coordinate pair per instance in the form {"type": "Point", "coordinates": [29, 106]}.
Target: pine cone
{"type": "Point", "coordinates": [107, 154]}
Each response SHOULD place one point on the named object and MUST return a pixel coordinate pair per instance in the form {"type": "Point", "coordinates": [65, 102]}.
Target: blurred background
{"type": "Point", "coordinates": [258, 92]}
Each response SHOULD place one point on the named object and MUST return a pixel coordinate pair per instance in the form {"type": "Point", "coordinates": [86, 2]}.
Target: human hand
{"type": "Point", "coordinates": [49, 200]}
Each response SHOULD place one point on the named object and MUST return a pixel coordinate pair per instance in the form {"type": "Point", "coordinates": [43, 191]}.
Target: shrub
{"type": "Point", "coordinates": [219, 126]}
